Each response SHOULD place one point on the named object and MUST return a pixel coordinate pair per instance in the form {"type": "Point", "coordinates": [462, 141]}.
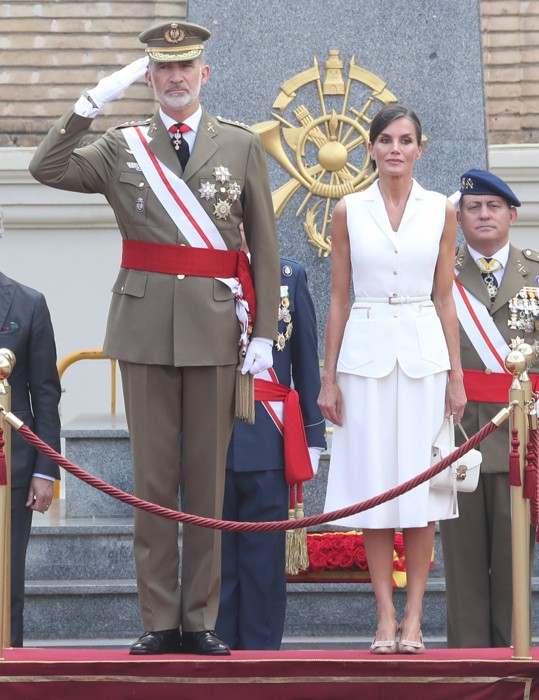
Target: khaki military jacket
{"type": "Point", "coordinates": [157, 318]}
{"type": "Point", "coordinates": [522, 271]}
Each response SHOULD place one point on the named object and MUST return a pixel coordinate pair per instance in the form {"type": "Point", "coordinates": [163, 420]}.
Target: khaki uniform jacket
{"type": "Point", "coordinates": [522, 271]}
{"type": "Point", "coordinates": [157, 318]}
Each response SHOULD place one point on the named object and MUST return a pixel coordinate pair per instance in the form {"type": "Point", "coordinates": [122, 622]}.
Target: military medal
{"type": "Point", "coordinates": [285, 317]}
{"type": "Point", "coordinates": [234, 191]}
{"type": "Point", "coordinates": [280, 342]}
{"type": "Point", "coordinates": [221, 173]}
{"type": "Point", "coordinates": [222, 185]}
{"type": "Point", "coordinates": [207, 190]}
{"type": "Point", "coordinates": [524, 310]}
{"type": "Point", "coordinates": [222, 208]}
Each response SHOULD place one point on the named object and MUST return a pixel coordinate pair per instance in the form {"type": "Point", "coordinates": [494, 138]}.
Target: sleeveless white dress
{"type": "Point", "coordinates": [392, 367]}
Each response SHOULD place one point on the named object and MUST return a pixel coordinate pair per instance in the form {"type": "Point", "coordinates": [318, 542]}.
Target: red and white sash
{"type": "Point", "coordinates": [275, 409]}
{"type": "Point", "coordinates": [185, 210]}
{"type": "Point", "coordinates": [285, 412]}
{"type": "Point", "coordinates": [480, 329]}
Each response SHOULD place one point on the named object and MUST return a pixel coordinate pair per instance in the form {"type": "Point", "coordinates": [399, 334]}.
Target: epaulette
{"type": "Point", "coordinates": [233, 123]}
{"type": "Point", "coordinates": [135, 122]}
{"type": "Point", "coordinates": [531, 254]}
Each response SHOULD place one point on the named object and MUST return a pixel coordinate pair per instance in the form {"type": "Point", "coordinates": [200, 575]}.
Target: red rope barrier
{"type": "Point", "coordinates": [273, 526]}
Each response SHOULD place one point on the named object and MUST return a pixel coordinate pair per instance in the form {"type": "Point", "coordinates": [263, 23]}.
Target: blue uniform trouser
{"type": "Point", "coordinates": [253, 583]}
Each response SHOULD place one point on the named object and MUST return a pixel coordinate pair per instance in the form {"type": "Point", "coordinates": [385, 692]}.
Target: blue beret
{"type": "Point", "coordinates": [482, 182]}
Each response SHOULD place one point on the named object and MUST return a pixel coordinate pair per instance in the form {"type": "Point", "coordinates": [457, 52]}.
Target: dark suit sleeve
{"type": "Point", "coordinates": [44, 385]}
{"type": "Point", "coordinates": [305, 362]}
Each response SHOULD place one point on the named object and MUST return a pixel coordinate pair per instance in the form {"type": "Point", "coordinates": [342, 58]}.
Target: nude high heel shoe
{"type": "Point", "coordinates": [409, 646]}
{"type": "Point", "coordinates": [385, 647]}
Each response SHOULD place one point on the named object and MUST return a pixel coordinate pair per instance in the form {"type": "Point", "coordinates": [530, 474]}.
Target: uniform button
{"type": "Point", "coordinates": [122, 289]}
{"type": "Point", "coordinates": [141, 185]}
{"type": "Point", "coordinates": [180, 277]}
{"type": "Point", "coordinates": [62, 132]}
{"type": "Point", "coordinates": [395, 272]}
{"type": "Point", "coordinates": [488, 371]}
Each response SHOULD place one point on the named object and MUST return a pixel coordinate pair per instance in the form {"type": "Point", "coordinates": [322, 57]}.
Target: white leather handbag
{"type": "Point", "coordinates": [462, 475]}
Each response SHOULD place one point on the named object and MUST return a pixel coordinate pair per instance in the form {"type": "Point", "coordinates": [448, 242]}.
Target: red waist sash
{"type": "Point", "coordinates": [195, 262]}
{"type": "Point", "coordinates": [297, 462]}
{"type": "Point", "coordinates": [491, 388]}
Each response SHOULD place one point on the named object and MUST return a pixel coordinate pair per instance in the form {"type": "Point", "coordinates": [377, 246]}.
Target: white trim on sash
{"type": "Point", "coordinates": [184, 209]}
{"type": "Point", "coordinates": [275, 409]}
{"type": "Point", "coordinates": [480, 329]}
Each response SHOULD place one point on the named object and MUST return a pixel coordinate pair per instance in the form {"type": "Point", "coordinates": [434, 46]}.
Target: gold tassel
{"type": "Point", "coordinates": [296, 555]}
{"type": "Point", "coordinates": [245, 394]}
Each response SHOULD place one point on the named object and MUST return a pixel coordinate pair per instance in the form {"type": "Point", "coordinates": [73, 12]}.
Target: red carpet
{"type": "Point", "coordinates": [442, 674]}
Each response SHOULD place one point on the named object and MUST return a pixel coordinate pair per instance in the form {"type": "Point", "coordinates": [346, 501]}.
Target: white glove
{"type": "Point", "coordinates": [110, 87]}
{"type": "Point", "coordinates": [259, 356]}
{"type": "Point", "coordinates": [314, 454]}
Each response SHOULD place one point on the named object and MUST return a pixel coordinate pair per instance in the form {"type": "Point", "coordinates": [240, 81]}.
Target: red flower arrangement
{"type": "Point", "coordinates": [336, 557]}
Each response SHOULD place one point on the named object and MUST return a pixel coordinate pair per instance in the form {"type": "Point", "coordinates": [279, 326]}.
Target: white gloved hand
{"type": "Point", "coordinates": [110, 87]}
{"type": "Point", "coordinates": [314, 454]}
{"type": "Point", "coordinates": [259, 356]}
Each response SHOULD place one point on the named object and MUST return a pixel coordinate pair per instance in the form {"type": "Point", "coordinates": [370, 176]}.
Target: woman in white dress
{"type": "Point", "coordinates": [386, 386]}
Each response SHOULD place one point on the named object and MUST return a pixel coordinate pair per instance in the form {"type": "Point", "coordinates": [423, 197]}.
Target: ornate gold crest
{"type": "Point", "coordinates": [174, 35]}
{"type": "Point", "coordinates": [319, 135]}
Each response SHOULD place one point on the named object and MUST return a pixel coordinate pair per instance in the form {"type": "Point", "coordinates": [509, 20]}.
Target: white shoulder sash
{"type": "Point", "coordinates": [480, 329]}
{"type": "Point", "coordinates": [184, 209]}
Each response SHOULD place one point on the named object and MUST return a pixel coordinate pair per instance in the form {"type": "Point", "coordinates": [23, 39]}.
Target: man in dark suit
{"type": "Point", "coordinates": [180, 184]}
{"type": "Point", "coordinates": [253, 586]}
{"type": "Point", "coordinates": [26, 330]}
{"type": "Point", "coordinates": [491, 274]}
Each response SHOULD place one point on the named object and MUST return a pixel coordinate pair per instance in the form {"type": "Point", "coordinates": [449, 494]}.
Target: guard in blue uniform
{"type": "Point", "coordinates": [253, 586]}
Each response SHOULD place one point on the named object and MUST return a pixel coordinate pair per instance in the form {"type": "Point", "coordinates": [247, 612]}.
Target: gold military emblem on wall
{"type": "Point", "coordinates": [319, 135]}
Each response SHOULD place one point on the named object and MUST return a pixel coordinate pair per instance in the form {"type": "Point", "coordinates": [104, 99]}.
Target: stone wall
{"type": "Point", "coordinates": [510, 30]}
{"type": "Point", "coordinates": [52, 51]}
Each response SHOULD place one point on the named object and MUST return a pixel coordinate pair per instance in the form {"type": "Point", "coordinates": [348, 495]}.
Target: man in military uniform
{"type": "Point", "coordinates": [253, 587]}
{"type": "Point", "coordinates": [180, 184]}
{"type": "Point", "coordinates": [495, 286]}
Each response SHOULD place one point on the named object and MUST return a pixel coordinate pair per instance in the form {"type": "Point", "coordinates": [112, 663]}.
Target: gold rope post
{"type": "Point", "coordinates": [520, 394]}
{"type": "Point", "coordinates": [7, 362]}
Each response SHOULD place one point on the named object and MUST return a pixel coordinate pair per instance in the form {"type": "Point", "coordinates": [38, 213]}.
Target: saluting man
{"type": "Point", "coordinates": [497, 297]}
{"type": "Point", "coordinates": [180, 184]}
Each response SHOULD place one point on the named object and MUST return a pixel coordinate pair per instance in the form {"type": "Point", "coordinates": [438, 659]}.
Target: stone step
{"type": "Point", "coordinates": [84, 609]}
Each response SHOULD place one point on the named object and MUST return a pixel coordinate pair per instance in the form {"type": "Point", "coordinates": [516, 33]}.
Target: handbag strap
{"type": "Point", "coordinates": [446, 421]}
{"type": "Point", "coordinates": [463, 432]}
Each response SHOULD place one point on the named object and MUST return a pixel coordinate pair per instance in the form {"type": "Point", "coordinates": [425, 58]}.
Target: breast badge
{"type": "Point", "coordinates": [222, 186]}
{"type": "Point", "coordinates": [284, 315]}
{"type": "Point", "coordinates": [524, 311]}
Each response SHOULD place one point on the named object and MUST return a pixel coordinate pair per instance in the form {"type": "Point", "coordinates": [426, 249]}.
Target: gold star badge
{"type": "Point", "coordinates": [222, 209]}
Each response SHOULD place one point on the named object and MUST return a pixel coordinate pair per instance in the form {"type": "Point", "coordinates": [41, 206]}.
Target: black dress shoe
{"type": "Point", "coordinates": [205, 642]}
{"type": "Point", "coordinates": [162, 642]}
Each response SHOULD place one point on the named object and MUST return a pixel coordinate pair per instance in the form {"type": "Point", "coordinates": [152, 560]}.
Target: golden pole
{"type": "Point", "coordinates": [7, 362]}
{"type": "Point", "coordinates": [520, 394]}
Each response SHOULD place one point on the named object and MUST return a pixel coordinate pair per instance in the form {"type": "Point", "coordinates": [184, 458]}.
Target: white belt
{"type": "Point", "coordinates": [390, 300]}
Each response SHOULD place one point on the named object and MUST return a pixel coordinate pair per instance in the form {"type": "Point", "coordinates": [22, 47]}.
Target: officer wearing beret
{"type": "Point", "coordinates": [253, 589]}
{"type": "Point", "coordinates": [183, 306]}
{"type": "Point", "coordinates": [500, 284]}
